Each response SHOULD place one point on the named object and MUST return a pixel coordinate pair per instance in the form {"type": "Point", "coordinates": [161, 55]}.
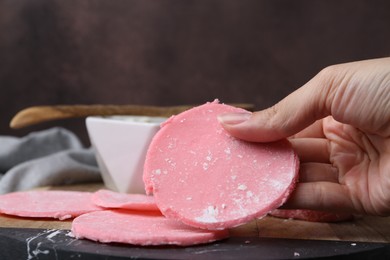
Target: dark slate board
{"type": "Point", "coordinates": [17, 243]}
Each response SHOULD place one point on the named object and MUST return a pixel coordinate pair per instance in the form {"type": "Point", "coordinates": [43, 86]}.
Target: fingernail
{"type": "Point", "coordinates": [234, 118]}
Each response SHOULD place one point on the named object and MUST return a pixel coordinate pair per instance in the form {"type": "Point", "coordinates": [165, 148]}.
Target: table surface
{"type": "Point", "coordinates": [363, 229]}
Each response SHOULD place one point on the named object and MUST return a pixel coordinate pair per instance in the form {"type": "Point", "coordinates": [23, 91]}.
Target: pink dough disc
{"type": "Point", "coordinates": [111, 199]}
{"type": "Point", "coordinates": [310, 215]}
{"type": "Point", "coordinates": [146, 228]}
{"type": "Point", "coordinates": [204, 177]}
{"type": "Point", "coordinates": [47, 204]}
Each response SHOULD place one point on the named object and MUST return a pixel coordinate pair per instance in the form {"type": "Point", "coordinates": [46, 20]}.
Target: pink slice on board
{"type": "Point", "coordinates": [204, 177]}
{"type": "Point", "coordinates": [140, 228]}
{"type": "Point", "coordinates": [47, 204]}
{"type": "Point", "coordinates": [310, 215]}
{"type": "Point", "coordinates": [110, 199]}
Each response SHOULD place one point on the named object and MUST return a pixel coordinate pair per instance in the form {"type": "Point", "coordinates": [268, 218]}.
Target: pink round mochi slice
{"type": "Point", "coordinates": [311, 215]}
{"type": "Point", "coordinates": [204, 177]}
{"type": "Point", "coordinates": [47, 204]}
{"type": "Point", "coordinates": [110, 199]}
{"type": "Point", "coordinates": [140, 228]}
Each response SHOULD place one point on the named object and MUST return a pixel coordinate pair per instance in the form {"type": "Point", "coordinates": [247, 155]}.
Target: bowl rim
{"type": "Point", "coordinates": [128, 119]}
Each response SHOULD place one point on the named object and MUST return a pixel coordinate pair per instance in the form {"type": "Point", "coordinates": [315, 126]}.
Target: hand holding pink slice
{"type": "Point", "coordinates": [140, 228]}
{"type": "Point", "coordinates": [47, 204]}
{"type": "Point", "coordinates": [204, 177]}
{"type": "Point", "coordinates": [110, 199]}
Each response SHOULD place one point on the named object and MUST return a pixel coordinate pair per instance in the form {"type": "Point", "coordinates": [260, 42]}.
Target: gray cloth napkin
{"type": "Point", "coordinates": [50, 157]}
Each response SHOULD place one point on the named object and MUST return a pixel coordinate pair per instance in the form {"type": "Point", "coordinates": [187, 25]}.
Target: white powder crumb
{"type": "Point", "coordinates": [247, 241]}
{"type": "Point", "coordinates": [228, 151]}
{"type": "Point", "coordinates": [172, 163]}
{"type": "Point", "coordinates": [183, 120]}
{"type": "Point", "coordinates": [353, 244]}
{"type": "Point", "coordinates": [296, 254]}
{"type": "Point", "coordinates": [205, 166]}
{"type": "Point", "coordinates": [240, 156]}
{"type": "Point", "coordinates": [70, 234]}
{"type": "Point", "coordinates": [277, 185]}
{"type": "Point", "coordinates": [209, 215]}
{"type": "Point", "coordinates": [234, 177]}
{"type": "Point", "coordinates": [172, 144]}
{"type": "Point", "coordinates": [242, 187]}
{"type": "Point", "coordinates": [157, 171]}
{"type": "Point", "coordinates": [212, 210]}
{"type": "Point", "coordinates": [189, 198]}
{"type": "Point", "coordinates": [223, 206]}
{"type": "Point", "coordinates": [249, 194]}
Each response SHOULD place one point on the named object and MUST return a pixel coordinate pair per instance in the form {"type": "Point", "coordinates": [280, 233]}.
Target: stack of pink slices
{"type": "Point", "coordinates": [203, 182]}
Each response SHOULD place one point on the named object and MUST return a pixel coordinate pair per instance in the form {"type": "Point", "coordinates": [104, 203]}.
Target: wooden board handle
{"type": "Point", "coordinates": [38, 114]}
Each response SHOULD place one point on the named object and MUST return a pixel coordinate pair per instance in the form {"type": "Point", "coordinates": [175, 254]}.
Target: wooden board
{"type": "Point", "coordinates": [366, 229]}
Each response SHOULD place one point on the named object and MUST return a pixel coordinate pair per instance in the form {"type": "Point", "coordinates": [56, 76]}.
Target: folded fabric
{"type": "Point", "coordinates": [49, 157]}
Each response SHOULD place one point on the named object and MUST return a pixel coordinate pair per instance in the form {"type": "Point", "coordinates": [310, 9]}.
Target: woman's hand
{"type": "Point", "coordinates": [339, 124]}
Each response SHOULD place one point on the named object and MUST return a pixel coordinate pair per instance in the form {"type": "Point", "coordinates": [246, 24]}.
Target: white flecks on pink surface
{"type": "Point", "coordinates": [214, 169]}
{"type": "Point", "coordinates": [210, 215]}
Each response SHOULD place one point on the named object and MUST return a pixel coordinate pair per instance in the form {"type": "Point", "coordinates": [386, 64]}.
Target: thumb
{"type": "Point", "coordinates": [292, 114]}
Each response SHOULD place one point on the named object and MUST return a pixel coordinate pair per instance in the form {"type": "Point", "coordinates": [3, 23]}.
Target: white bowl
{"type": "Point", "coordinates": [120, 144]}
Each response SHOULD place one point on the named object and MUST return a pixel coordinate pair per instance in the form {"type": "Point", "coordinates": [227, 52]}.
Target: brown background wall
{"type": "Point", "coordinates": [175, 52]}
